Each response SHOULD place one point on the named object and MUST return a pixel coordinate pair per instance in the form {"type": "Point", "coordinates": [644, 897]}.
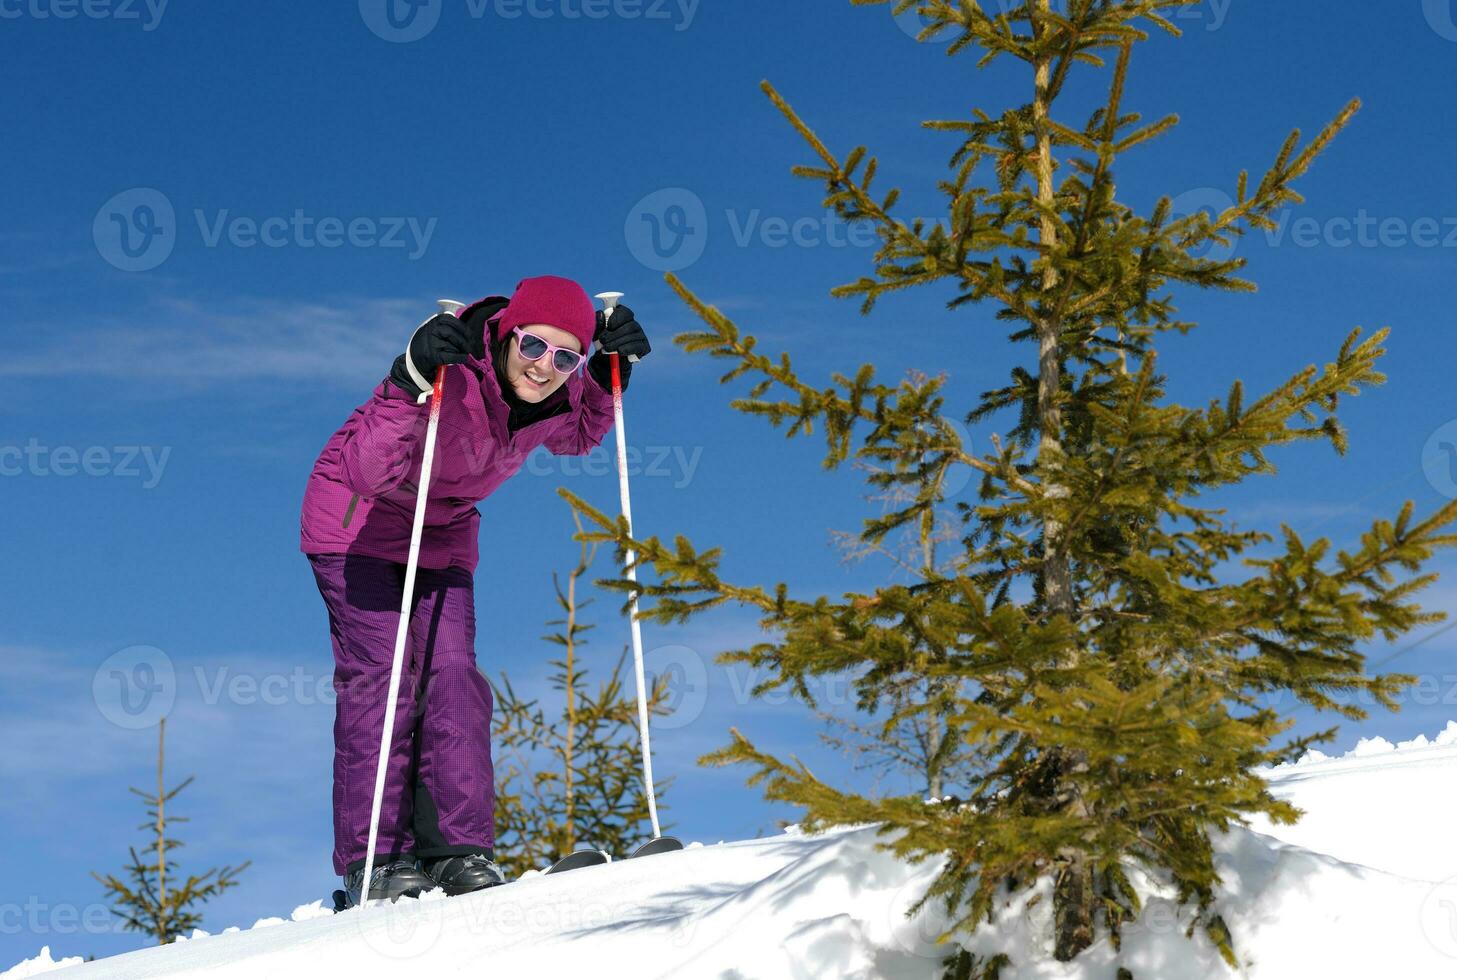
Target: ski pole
{"type": "Point", "coordinates": [609, 303]}
{"type": "Point", "coordinates": [411, 565]}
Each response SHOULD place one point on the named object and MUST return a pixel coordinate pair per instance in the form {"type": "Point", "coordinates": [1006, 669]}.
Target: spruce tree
{"type": "Point", "coordinates": [144, 900]}
{"type": "Point", "coordinates": [1116, 660]}
{"type": "Point", "coordinates": [573, 780]}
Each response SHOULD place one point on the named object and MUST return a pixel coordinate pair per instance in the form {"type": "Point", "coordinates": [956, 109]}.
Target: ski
{"type": "Point", "coordinates": [658, 845]}
{"type": "Point", "coordinates": [584, 858]}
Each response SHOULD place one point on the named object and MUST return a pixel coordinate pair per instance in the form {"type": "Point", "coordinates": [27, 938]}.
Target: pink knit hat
{"type": "Point", "coordinates": [554, 301]}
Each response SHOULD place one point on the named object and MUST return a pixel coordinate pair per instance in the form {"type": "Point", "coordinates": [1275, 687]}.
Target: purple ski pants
{"type": "Point", "coordinates": [439, 793]}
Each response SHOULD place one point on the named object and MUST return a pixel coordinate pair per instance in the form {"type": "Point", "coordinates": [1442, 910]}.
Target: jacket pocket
{"type": "Point", "coordinates": [349, 513]}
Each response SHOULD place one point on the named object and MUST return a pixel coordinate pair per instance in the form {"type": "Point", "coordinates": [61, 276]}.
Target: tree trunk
{"type": "Point", "coordinates": [165, 936]}
{"type": "Point", "coordinates": [1073, 910]}
{"type": "Point", "coordinates": [571, 676]}
{"type": "Point", "coordinates": [934, 738]}
{"type": "Point", "coordinates": [1073, 895]}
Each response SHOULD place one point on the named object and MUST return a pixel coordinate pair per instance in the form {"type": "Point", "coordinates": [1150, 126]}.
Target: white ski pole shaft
{"type": "Point", "coordinates": [396, 667]}
{"type": "Point", "coordinates": [609, 303]}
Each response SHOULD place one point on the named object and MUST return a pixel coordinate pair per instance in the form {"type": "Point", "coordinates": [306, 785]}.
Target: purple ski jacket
{"type": "Point", "coordinates": [360, 497]}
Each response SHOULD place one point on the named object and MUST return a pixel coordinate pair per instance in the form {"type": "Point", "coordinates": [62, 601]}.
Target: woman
{"type": "Point", "coordinates": [512, 384]}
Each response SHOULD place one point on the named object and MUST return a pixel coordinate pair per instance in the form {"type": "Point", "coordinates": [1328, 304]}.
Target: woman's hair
{"type": "Point", "coordinates": [499, 350]}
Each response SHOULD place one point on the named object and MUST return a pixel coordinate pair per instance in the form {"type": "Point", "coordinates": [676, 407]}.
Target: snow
{"type": "Point", "coordinates": [40, 963]}
{"type": "Point", "coordinates": [1365, 885]}
{"type": "Point", "coordinates": [1389, 807]}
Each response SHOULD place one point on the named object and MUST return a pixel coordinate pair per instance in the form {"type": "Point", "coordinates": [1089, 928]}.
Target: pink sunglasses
{"type": "Point", "coordinates": [533, 348]}
{"type": "Point", "coordinates": [563, 359]}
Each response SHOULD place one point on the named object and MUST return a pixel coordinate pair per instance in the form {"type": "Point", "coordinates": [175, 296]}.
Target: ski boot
{"type": "Point", "coordinates": [392, 880]}
{"type": "Point", "coordinates": [458, 874]}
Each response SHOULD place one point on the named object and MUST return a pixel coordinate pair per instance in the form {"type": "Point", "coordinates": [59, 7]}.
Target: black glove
{"type": "Point", "coordinates": [623, 335]}
{"type": "Point", "coordinates": [443, 339]}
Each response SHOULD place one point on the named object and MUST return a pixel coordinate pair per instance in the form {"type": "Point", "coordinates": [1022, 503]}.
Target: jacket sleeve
{"type": "Point", "coordinates": [589, 426]}
{"type": "Point", "coordinates": [380, 447]}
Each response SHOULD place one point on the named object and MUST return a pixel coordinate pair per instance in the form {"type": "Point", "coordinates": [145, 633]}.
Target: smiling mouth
{"type": "Point", "coordinates": [538, 382]}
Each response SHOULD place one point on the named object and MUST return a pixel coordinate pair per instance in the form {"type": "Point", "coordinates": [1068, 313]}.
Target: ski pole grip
{"type": "Point", "coordinates": [453, 307]}
{"type": "Point", "coordinates": [609, 303]}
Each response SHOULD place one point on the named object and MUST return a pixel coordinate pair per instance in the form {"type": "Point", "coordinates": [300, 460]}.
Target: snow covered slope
{"type": "Point", "coordinates": [1363, 887]}
{"type": "Point", "coordinates": [1392, 807]}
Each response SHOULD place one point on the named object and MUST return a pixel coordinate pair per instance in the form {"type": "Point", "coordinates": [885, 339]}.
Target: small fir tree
{"type": "Point", "coordinates": [574, 780]}
{"type": "Point", "coordinates": [143, 899]}
{"type": "Point", "coordinates": [919, 745]}
{"type": "Point", "coordinates": [1114, 681]}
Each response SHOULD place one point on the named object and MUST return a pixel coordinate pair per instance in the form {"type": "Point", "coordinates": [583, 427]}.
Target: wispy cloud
{"type": "Point", "coordinates": [186, 343]}
{"type": "Point", "coordinates": [1297, 513]}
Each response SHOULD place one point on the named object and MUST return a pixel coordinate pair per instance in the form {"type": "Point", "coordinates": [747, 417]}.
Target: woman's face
{"type": "Point", "coordinates": [532, 381]}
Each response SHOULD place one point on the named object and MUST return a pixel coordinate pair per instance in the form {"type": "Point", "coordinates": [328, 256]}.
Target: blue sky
{"type": "Point", "coordinates": [299, 182]}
